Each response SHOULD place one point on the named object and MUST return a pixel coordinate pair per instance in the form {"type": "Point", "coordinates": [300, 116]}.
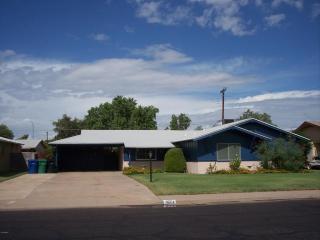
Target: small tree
{"type": "Point", "coordinates": [282, 154]}
{"type": "Point", "coordinates": [67, 127]}
{"type": "Point", "coordinates": [181, 122]}
{"type": "Point", "coordinates": [5, 132]}
{"type": "Point", "coordinates": [199, 128]}
{"type": "Point", "coordinates": [174, 161]}
{"type": "Point", "coordinates": [23, 137]}
{"type": "Point", "coordinates": [48, 152]}
{"type": "Point", "coordinates": [260, 116]}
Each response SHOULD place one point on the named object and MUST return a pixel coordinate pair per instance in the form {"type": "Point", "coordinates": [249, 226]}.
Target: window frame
{"type": "Point", "coordinates": [228, 144]}
{"type": "Point", "coordinates": [146, 159]}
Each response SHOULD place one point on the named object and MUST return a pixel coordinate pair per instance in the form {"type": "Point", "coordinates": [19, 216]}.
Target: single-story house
{"type": "Point", "coordinates": [115, 149]}
{"type": "Point", "coordinates": [10, 151]}
{"type": "Point", "coordinates": [311, 130]}
{"type": "Point", "coordinates": [31, 148]}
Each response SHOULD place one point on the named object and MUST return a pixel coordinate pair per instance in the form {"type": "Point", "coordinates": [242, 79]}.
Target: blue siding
{"type": "Point", "coordinates": [264, 130]}
{"type": "Point", "coordinates": [206, 150]}
{"type": "Point", "coordinates": [189, 149]}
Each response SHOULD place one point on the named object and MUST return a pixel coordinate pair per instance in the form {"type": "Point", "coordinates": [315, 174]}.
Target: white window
{"type": "Point", "coordinates": [143, 154]}
{"type": "Point", "coordinates": [228, 151]}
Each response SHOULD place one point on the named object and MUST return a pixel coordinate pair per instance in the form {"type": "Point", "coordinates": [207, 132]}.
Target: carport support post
{"type": "Point", "coordinates": [150, 165]}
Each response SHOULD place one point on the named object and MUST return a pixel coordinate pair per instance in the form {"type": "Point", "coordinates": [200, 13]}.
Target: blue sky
{"type": "Point", "coordinates": [176, 55]}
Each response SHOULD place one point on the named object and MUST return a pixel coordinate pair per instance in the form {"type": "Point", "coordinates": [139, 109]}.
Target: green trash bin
{"type": "Point", "coordinates": [42, 166]}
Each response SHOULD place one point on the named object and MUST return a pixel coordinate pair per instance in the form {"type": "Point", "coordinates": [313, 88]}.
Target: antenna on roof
{"type": "Point", "coordinates": [222, 91]}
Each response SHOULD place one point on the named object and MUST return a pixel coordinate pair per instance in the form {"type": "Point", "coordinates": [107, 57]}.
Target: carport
{"type": "Point", "coordinates": [89, 157]}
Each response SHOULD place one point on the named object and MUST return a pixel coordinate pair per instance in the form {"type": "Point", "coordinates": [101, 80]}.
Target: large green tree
{"type": "Point", "coordinates": [5, 132]}
{"type": "Point", "coordinates": [179, 122]}
{"type": "Point", "coordinates": [121, 113]}
{"type": "Point", "coordinates": [67, 127]}
{"type": "Point", "coordinates": [260, 116]}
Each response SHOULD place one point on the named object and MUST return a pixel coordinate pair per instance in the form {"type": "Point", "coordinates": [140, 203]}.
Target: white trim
{"type": "Point", "coordinates": [228, 151]}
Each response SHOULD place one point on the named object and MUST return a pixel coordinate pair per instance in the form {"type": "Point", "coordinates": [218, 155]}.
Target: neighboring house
{"type": "Point", "coordinates": [31, 148]}
{"type": "Point", "coordinates": [311, 129]}
{"type": "Point", "coordinates": [94, 150]}
{"type": "Point", "coordinates": [10, 151]}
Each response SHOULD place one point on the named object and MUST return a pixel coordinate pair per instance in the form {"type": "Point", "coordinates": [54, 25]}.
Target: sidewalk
{"type": "Point", "coordinates": [242, 197]}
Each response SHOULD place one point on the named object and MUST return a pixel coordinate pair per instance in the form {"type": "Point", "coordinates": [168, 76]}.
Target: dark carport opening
{"type": "Point", "coordinates": [89, 157]}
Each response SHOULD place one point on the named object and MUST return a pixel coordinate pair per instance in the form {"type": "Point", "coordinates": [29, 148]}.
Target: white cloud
{"type": "Point", "coordinates": [258, 2]}
{"type": "Point", "coordinates": [224, 15]}
{"type": "Point", "coordinates": [157, 68]}
{"type": "Point", "coordinates": [279, 96]}
{"type": "Point", "coordinates": [162, 13]}
{"type": "Point", "coordinates": [287, 109]}
{"type": "Point", "coordinates": [294, 3]}
{"type": "Point", "coordinates": [163, 53]}
{"type": "Point", "coordinates": [275, 19]}
{"type": "Point", "coordinates": [101, 37]}
{"type": "Point", "coordinates": [158, 75]}
{"type": "Point", "coordinates": [315, 10]}
{"type": "Point", "coordinates": [128, 29]}
{"type": "Point", "coordinates": [7, 53]}
{"type": "Point", "coordinates": [220, 15]}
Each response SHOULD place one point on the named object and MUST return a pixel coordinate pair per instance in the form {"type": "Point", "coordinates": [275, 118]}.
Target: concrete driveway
{"type": "Point", "coordinates": [73, 190]}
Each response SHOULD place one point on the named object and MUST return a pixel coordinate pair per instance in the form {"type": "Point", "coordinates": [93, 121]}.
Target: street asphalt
{"type": "Point", "coordinates": [298, 219]}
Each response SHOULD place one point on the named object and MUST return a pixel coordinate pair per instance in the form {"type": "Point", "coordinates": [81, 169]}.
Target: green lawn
{"type": "Point", "coordinates": [8, 175]}
{"type": "Point", "coordinates": [177, 183]}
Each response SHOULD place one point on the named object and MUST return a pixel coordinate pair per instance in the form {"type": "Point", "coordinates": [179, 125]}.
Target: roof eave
{"type": "Point", "coordinates": [277, 128]}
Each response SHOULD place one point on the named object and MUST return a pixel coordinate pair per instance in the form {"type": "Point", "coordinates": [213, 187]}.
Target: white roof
{"type": "Point", "coordinates": [29, 143]}
{"type": "Point", "coordinates": [151, 138]}
{"type": "Point", "coordinates": [2, 139]}
{"type": "Point", "coordinates": [130, 138]}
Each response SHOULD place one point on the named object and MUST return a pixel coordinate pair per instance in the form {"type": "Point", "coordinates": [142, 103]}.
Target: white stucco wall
{"type": "Point", "coordinates": [155, 164]}
{"type": "Point", "coordinates": [195, 167]}
{"type": "Point", "coordinates": [201, 167]}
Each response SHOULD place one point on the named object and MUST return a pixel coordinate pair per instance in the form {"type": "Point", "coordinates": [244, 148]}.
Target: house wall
{"type": "Point", "coordinates": [207, 146]}
{"type": "Point", "coordinates": [7, 150]}
{"type": "Point", "coordinates": [31, 153]}
{"type": "Point", "coordinates": [189, 149]}
{"type": "Point", "coordinates": [201, 167]}
{"type": "Point", "coordinates": [40, 148]}
{"type": "Point", "coordinates": [129, 158]}
{"type": "Point", "coordinates": [313, 133]}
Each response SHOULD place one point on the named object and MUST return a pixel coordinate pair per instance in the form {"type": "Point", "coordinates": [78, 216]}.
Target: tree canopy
{"type": "Point", "coordinates": [67, 127]}
{"type": "Point", "coordinates": [180, 122]}
{"type": "Point", "coordinates": [5, 132]}
{"type": "Point", "coordinates": [121, 113]}
{"type": "Point", "coordinates": [260, 116]}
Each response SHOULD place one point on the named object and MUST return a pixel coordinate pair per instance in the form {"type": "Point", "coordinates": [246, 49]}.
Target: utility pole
{"type": "Point", "coordinates": [222, 94]}
{"type": "Point", "coordinates": [47, 137]}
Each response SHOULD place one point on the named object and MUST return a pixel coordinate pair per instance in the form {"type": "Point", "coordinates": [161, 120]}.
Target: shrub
{"type": "Point", "coordinates": [174, 161]}
{"type": "Point", "coordinates": [235, 163]}
{"type": "Point", "coordinates": [157, 170]}
{"type": "Point", "coordinates": [133, 170]}
{"type": "Point", "coordinates": [222, 171]}
{"type": "Point", "coordinates": [47, 153]}
{"type": "Point", "coordinates": [281, 154]}
{"type": "Point", "coordinates": [211, 169]}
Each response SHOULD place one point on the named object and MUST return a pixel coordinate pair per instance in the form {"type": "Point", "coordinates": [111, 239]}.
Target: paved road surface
{"type": "Point", "coordinates": [272, 220]}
